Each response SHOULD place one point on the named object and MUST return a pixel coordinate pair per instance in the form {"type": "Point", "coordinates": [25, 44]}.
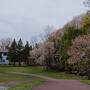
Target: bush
{"type": "Point", "coordinates": [80, 68]}
{"type": "Point", "coordinates": [68, 67]}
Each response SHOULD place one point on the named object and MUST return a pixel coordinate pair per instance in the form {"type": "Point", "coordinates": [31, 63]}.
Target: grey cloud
{"type": "Point", "coordinates": [28, 18]}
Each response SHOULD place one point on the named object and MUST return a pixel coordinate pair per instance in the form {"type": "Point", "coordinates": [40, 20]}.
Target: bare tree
{"type": "Point", "coordinates": [86, 3]}
{"type": "Point", "coordinates": [5, 43]}
{"type": "Point", "coordinates": [33, 41]}
{"type": "Point", "coordinates": [47, 32]}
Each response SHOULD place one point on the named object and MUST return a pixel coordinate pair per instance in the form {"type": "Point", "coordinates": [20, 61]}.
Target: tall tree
{"type": "Point", "coordinates": [86, 23]}
{"type": "Point", "coordinates": [70, 34]}
{"type": "Point", "coordinates": [12, 52]}
{"type": "Point", "coordinates": [26, 53]}
{"type": "Point", "coordinates": [19, 51]}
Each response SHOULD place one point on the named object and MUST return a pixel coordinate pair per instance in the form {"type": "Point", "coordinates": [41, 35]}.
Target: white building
{"type": "Point", "coordinates": [4, 56]}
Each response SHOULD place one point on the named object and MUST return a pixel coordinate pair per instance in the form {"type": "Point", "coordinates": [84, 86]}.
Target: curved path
{"type": "Point", "coordinates": [55, 84]}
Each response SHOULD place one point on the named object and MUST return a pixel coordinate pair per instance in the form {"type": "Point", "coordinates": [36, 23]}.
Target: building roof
{"type": "Point", "coordinates": [3, 50]}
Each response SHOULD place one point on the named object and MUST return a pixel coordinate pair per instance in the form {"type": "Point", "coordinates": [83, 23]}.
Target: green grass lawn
{"type": "Point", "coordinates": [26, 82]}
{"type": "Point", "coordinates": [30, 82]}
{"type": "Point", "coordinates": [86, 81]}
{"type": "Point", "coordinates": [27, 85]}
{"type": "Point", "coordinates": [41, 71]}
{"type": "Point", "coordinates": [4, 77]}
{"type": "Point", "coordinates": [20, 82]}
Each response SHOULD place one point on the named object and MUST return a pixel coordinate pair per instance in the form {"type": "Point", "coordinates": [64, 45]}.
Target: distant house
{"type": "Point", "coordinates": [4, 56]}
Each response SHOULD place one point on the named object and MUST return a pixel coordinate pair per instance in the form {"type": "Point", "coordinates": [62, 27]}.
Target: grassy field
{"type": "Point", "coordinates": [26, 85]}
{"type": "Point", "coordinates": [28, 82]}
{"type": "Point", "coordinates": [18, 82]}
{"type": "Point", "coordinates": [85, 81]}
{"type": "Point", "coordinates": [41, 71]}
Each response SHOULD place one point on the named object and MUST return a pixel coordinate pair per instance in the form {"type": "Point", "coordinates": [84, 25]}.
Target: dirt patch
{"type": "Point", "coordinates": [6, 85]}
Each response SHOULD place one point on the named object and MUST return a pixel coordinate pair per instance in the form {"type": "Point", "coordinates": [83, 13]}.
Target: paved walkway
{"type": "Point", "coordinates": [55, 84]}
{"type": "Point", "coordinates": [63, 85]}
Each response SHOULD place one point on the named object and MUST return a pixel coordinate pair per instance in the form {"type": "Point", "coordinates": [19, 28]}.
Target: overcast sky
{"type": "Point", "coordinates": [29, 18]}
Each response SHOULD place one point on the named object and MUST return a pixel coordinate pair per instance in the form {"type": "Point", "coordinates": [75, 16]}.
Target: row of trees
{"type": "Point", "coordinates": [79, 53]}
{"type": "Point", "coordinates": [18, 53]}
{"type": "Point", "coordinates": [54, 52]}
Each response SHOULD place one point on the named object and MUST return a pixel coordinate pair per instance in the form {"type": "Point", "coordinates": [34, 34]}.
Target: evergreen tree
{"type": "Point", "coordinates": [19, 51]}
{"type": "Point", "coordinates": [30, 48]}
{"type": "Point", "coordinates": [12, 52]}
{"type": "Point", "coordinates": [26, 53]}
{"type": "Point", "coordinates": [30, 60]}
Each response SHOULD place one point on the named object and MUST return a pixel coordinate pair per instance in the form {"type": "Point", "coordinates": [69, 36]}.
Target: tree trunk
{"type": "Point", "coordinates": [88, 74]}
{"type": "Point", "coordinates": [19, 63]}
